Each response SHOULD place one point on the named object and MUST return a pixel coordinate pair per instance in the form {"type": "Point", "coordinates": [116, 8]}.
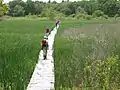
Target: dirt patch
{"type": "Point", "coordinates": [89, 30]}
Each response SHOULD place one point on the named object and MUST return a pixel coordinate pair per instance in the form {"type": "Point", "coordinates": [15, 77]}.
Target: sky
{"type": "Point", "coordinates": [6, 1]}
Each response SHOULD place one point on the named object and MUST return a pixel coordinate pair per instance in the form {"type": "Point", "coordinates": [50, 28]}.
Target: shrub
{"type": "Point", "coordinates": [105, 16]}
{"type": "Point", "coordinates": [80, 10]}
{"type": "Point", "coordinates": [101, 71]}
{"type": "Point", "coordinates": [50, 13]}
{"type": "Point", "coordinates": [98, 13]}
{"type": "Point", "coordinates": [32, 16]}
{"type": "Point", "coordinates": [39, 15]}
{"type": "Point", "coordinates": [88, 17]}
{"type": "Point", "coordinates": [118, 12]}
{"type": "Point", "coordinates": [59, 16]}
{"type": "Point", "coordinates": [100, 18]}
{"type": "Point", "coordinates": [19, 11]}
{"type": "Point", "coordinates": [80, 16]}
{"type": "Point", "coordinates": [43, 14]}
{"type": "Point", "coordinates": [83, 16]}
{"type": "Point", "coordinates": [73, 15]}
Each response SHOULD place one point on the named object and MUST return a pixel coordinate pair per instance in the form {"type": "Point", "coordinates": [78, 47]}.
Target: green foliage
{"type": "Point", "coordinates": [105, 16]}
{"type": "Point", "coordinates": [91, 7]}
{"type": "Point", "coordinates": [66, 11]}
{"type": "Point", "coordinates": [32, 16]}
{"type": "Point", "coordinates": [30, 7]}
{"type": "Point", "coordinates": [18, 11]}
{"type": "Point", "coordinates": [59, 16]}
{"type": "Point", "coordinates": [80, 16]}
{"type": "Point", "coordinates": [118, 12]}
{"type": "Point", "coordinates": [72, 7]}
{"type": "Point", "coordinates": [109, 7]}
{"type": "Point", "coordinates": [43, 14]}
{"type": "Point", "coordinates": [1, 11]}
{"type": "Point", "coordinates": [50, 13]}
{"type": "Point", "coordinates": [102, 73]}
{"type": "Point", "coordinates": [98, 13]}
{"type": "Point", "coordinates": [73, 15]}
{"type": "Point", "coordinates": [83, 16]}
{"type": "Point", "coordinates": [20, 7]}
{"type": "Point", "coordinates": [38, 8]}
{"type": "Point", "coordinates": [88, 17]}
{"type": "Point", "coordinates": [80, 10]}
{"type": "Point", "coordinates": [3, 8]}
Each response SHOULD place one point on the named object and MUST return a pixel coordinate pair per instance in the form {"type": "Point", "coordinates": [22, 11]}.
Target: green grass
{"type": "Point", "coordinates": [20, 45]}
{"type": "Point", "coordinates": [89, 63]}
{"type": "Point", "coordinates": [20, 42]}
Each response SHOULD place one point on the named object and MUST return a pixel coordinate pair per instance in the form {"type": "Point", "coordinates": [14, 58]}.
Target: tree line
{"type": "Point", "coordinates": [94, 8]}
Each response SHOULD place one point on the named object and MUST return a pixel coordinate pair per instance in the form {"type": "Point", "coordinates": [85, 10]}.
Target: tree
{"type": "Point", "coordinates": [3, 8]}
{"type": "Point", "coordinates": [30, 7]}
{"type": "Point", "coordinates": [66, 11]}
{"type": "Point", "coordinates": [38, 7]}
{"type": "Point", "coordinates": [118, 12]}
{"type": "Point", "coordinates": [19, 11]}
{"type": "Point", "coordinates": [72, 7]}
{"type": "Point", "coordinates": [13, 4]}
{"type": "Point", "coordinates": [49, 1]}
{"type": "Point", "coordinates": [63, 1]}
{"type": "Point", "coordinates": [89, 6]}
{"type": "Point", "coordinates": [50, 13]}
{"type": "Point", "coordinates": [54, 2]}
{"type": "Point", "coordinates": [80, 10]}
{"type": "Point", "coordinates": [109, 7]}
{"type": "Point", "coordinates": [98, 13]}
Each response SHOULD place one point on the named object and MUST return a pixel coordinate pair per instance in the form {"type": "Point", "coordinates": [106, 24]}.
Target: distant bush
{"type": "Point", "coordinates": [117, 18]}
{"type": "Point", "coordinates": [39, 15]}
{"type": "Point", "coordinates": [105, 16]}
{"type": "Point", "coordinates": [102, 72]}
{"type": "Point", "coordinates": [98, 13]}
{"type": "Point", "coordinates": [32, 16]}
{"type": "Point", "coordinates": [118, 12]}
{"type": "Point", "coordinates": [80, 16]}
{"type": "Point", "coordinates": [59, 15]}
{"type": "Point", "coordinates": [18, 11]}
{"type": "Point", "coordinates": [88, 17]}
{"type": "Point", "coordinates": [81, 10]}
{"type": "Point", "coordinates": [83, 16]}
{"type": "Point", "coordinates": [102, 17]}
{"type": "Point", "coordinates": [73, 15]}
{"type": "Point", "coordinates": [43, 14]}
{"type": "Point", "coordinates": [99, 18]}
{"type": "Point", "coordinates": [50, 13]}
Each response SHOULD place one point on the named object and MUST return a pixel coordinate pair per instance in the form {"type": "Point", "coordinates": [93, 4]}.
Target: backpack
{"type": "Point", "coordinates": [44, 42]}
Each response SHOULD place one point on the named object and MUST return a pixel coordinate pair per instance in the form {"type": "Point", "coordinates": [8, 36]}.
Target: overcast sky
{"type": "Point", "coordinates": [6, 1]}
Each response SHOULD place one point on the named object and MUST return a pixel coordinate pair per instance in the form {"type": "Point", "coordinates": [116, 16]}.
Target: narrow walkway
{"type": "Point", "coordinates": [43, 75]}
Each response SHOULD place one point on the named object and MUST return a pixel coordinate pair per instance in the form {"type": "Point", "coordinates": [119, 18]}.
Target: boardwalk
{"type": "Point", "coordinates": [43, 75]}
